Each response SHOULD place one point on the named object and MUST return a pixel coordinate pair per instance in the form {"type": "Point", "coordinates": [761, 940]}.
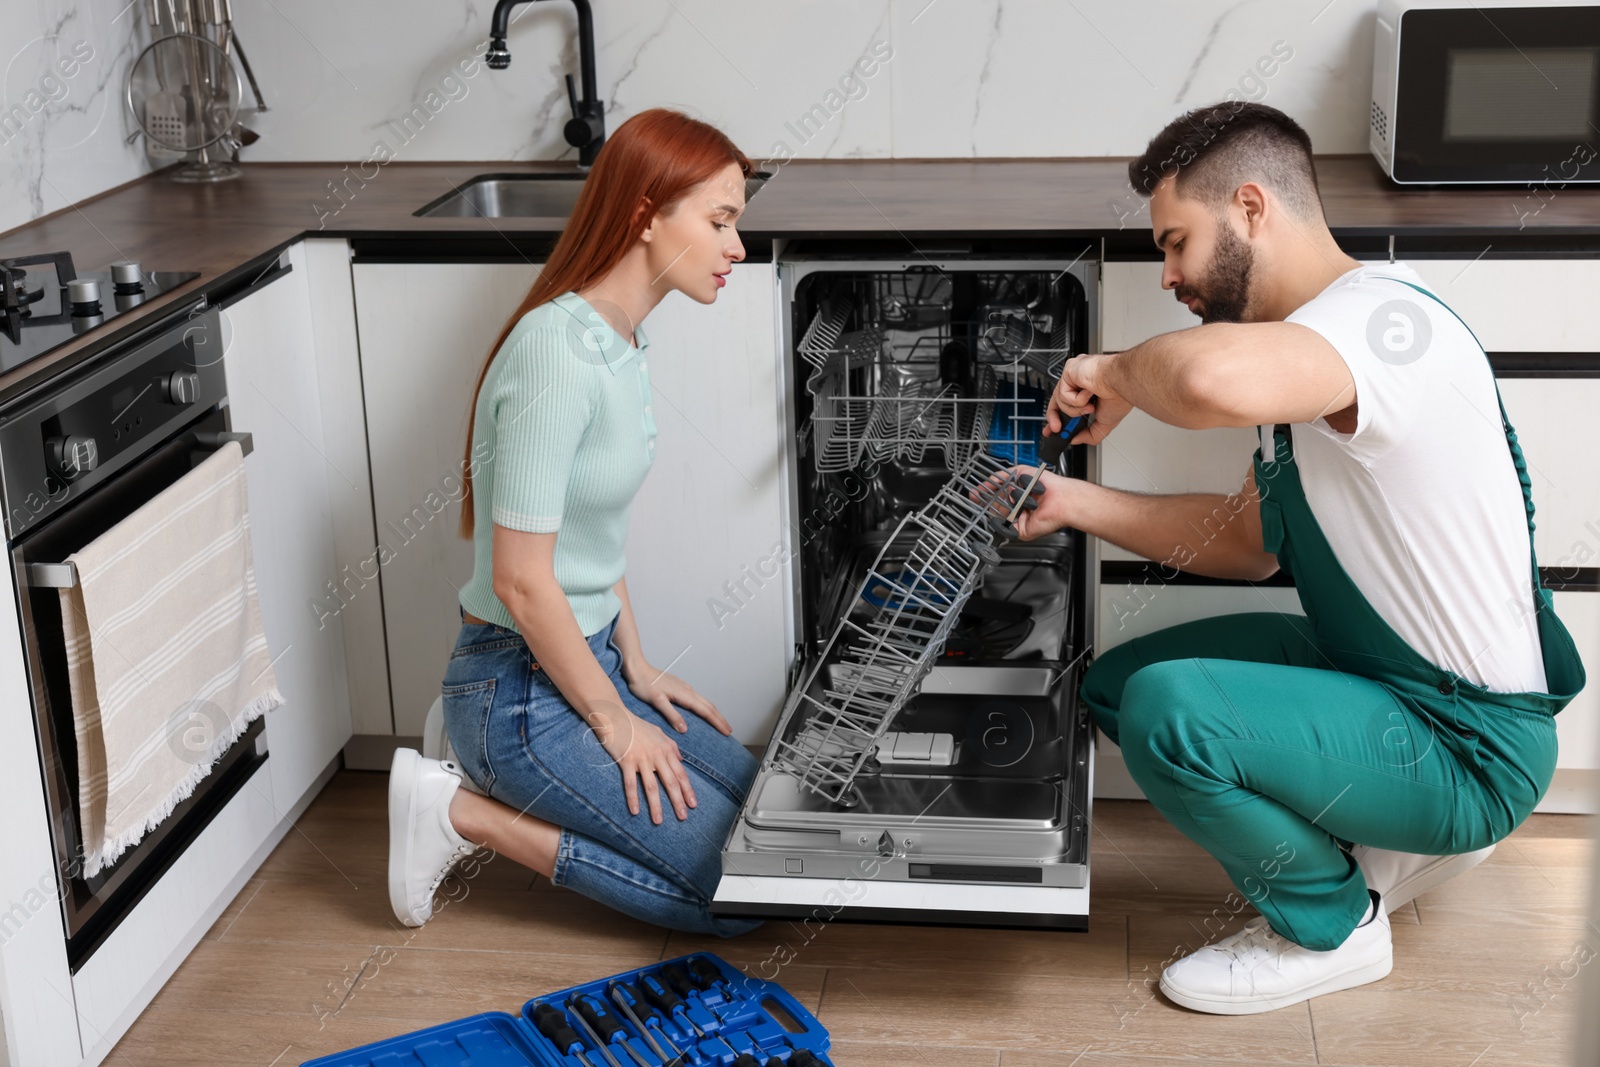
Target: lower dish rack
{"type": "Point", "coordinates": [872, 666]}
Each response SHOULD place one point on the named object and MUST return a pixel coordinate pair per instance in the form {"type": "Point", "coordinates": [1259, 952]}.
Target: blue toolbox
{"type": "Point", "coordinates": [694, 1011]}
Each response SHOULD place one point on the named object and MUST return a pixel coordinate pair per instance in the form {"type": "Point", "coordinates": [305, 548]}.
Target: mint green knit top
{"type": "Point", "coordinates": [562, 438]}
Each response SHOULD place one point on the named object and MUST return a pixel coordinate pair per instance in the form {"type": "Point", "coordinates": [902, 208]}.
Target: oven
{"type": "Point", "coordinates": [932, 762]}
{"type": "Point", "coordinates": [79, 453]}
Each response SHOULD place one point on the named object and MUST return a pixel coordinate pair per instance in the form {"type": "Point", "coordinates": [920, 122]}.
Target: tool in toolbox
{"type": "Point", "coordinates": [645, 1019]}
{"type": "Point", "coordinates": [705, 975]}
{"type": "Point", "coordinates": [605, 1029]}
{"type": "Point", "coordinates": [758, 1019]}
{"type": "Point", "coordinates": [553, 1024]}
{"type": "Point", "coordinates": [668, 1001]}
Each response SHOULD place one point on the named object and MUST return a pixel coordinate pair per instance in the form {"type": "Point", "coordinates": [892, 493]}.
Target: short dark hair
{"type": "Point", "coordinates": [1211, 151]}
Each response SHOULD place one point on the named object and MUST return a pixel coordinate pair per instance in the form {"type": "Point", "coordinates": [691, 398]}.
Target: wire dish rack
{"type": "Point", "coordinates": [883, 391]}
{"type": "Point", "coordinates": [874, 664]}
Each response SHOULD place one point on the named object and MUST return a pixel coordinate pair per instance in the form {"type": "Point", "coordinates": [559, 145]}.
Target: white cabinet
{"type": "Point", "coordinates": [275, 395]}
{"type": "Point", "coordinates": [425, 331]}
{"type": "Point", "coordinates": [1548, 306]}
{"type": "Point", "coordinates": [1521, 305]}
{"type": "Point", "coordinates": [1145, 455]}
{"type": "Point", "coordinates": [708, 508]}
{"type": "Point", "coordinates": [707, 549]}
{"type": "Point", "coordinates": [351, 595]}
{"type": "Point", "coordinates": [37, 1023]}
{"type": "Point", "coordinates": [1512, 306]}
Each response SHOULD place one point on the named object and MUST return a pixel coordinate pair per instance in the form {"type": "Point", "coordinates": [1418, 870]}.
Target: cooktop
{"type": "Point", "coordinates": [45, 302]}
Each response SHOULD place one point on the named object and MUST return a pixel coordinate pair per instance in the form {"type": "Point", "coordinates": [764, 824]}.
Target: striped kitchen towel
{"type": "Point", "coordinates": [165, 653]}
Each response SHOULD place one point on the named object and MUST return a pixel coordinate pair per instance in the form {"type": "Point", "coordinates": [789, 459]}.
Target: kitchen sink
{"type": "Point", "coordinates": [553, 196]}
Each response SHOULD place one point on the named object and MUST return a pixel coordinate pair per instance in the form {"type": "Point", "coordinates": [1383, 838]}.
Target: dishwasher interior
{"type": "Point", "coordinates": [931, 762]}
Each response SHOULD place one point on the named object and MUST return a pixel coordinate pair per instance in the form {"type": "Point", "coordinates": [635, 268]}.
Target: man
{"type": "Point", "coordinates": [1408, 714]}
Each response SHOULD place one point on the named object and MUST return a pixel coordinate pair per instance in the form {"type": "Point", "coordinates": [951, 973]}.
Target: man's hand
{"type": "Point", "coordinates": [1050, 514]}
{"type": "Point", "coordinates": [1084, 388]}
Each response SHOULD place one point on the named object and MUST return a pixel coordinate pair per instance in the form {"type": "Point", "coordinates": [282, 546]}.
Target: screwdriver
{"type": "Point", "coordinates": [666, 1000]}
{"type": "Point", "coordinates": [593, 1014]}
{"type": "Point", "coordinates": [553, 1025]}
{"type": "Point", "coordinates": [804, 1058]}
{"type": "Point", "coordinates": [642, 1015]}
{"type": "Point", "coordinates": [706, 973]}
{"type": "Point", "coordinates": [1051, 449]}
{"type": "Point", "coordinates": [678, 980]}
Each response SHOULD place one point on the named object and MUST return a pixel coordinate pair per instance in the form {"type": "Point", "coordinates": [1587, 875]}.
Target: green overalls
{"type": "Point", "coordinates": [1269, 739]}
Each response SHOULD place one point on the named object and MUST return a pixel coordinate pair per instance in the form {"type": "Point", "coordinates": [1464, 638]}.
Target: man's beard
{"type": "Point", "coordinates": [1224, 290]}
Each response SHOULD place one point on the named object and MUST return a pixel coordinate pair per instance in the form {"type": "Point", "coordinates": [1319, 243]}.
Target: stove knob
{"type": "Point", "coordinates": [182, 387]}
{"type": "Point", "coordinates": [126, 278]}
{"type": "Point", "coordinates": [84, 294]}
{"type": "Point", "coordinates": [73, 454]}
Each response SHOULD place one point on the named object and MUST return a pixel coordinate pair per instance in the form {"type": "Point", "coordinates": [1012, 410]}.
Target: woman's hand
{"type": "Point", "coordinates": [662, 690]}
{"type": "Point", "coordinates": [1083, 388]}
{"type": "Point", "coordinates": [647, 757]}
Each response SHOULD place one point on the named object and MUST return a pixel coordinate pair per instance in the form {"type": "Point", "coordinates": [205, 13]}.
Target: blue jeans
{"type": "Point", "coordinates": [519, 739]}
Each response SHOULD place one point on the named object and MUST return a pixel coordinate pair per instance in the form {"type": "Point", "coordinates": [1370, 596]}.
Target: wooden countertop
{"type": "Point", "coordinates": [220, 229]}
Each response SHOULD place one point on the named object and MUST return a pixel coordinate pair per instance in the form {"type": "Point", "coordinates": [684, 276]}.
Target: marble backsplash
{"type": "Point", "coordinates": [785, 78]}
{"type": "Point", "coordinates": [63, 124]}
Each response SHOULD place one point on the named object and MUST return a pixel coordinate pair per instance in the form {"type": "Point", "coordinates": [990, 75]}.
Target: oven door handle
{"type": "Point", "coordinates": [65, 575]}
{"type": "Point", "coordinates": [218, 439]}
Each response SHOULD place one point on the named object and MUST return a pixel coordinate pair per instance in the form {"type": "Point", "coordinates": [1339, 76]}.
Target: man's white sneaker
{"type": "Point", "coordinates": [423, 845]}
{"type": "Point", "coordinates": [1398, 877]}
{"type": "Point", "coordinates": [1255, 970]}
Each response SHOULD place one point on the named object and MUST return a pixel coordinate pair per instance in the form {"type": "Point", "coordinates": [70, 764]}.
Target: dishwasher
{"type": "Point", "coordinates": [931, 762]}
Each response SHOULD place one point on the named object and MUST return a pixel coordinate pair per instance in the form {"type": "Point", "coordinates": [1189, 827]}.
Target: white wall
{"type": "Point", "coordinates": [966, 78]}
{"type": "Point", "coordinates": [61, 134]}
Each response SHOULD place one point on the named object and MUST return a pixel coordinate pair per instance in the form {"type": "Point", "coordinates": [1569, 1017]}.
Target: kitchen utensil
{"type": "Point", "coordinates": [197, 71]}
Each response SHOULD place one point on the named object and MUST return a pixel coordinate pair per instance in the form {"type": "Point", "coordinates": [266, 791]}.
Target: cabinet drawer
{"type": "Point", "coordinates": [1133, 609]}
{"type": "Point", "coordinates": [1521, 305]}
{"type": "Point", "coordinates": [1560, 439]}
{"type": "Point", "coordinates": [1578, 725]}
{"type": "Point", "coordinates": [1145, 455]}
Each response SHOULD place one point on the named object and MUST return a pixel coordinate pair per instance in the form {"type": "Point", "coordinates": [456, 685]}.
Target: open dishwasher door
{"type": "Point", "coordinates": [932, 762]}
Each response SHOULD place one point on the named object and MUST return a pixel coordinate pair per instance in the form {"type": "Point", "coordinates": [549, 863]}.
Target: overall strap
{"type": "Point", "coordinates": [1505, 424]}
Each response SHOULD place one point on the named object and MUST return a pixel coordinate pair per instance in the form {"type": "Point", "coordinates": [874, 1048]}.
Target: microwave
{"type": "Point", "coordinates": [1469, 94]}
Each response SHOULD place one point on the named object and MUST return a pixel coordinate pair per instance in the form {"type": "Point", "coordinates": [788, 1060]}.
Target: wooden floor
{"type": "Point", "coordinates": [309, 960]}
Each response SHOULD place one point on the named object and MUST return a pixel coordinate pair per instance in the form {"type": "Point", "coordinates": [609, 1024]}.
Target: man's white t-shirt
{"type": "Point", "coordinates": [1421, 503]}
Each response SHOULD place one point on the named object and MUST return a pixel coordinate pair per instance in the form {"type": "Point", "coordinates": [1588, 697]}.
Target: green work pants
{"type": "Point", "coordinates": [1241, 732]}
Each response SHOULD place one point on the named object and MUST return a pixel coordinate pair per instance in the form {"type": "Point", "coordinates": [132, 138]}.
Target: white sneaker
{"type": "Point", "coordinates": [1398, 877]}
{"type": "Point", "coordinates": [436, 743]}
{"type": "Point", "coordinates": [1255, 970]}
{"type": "Point", "coordinates": [423, 845]}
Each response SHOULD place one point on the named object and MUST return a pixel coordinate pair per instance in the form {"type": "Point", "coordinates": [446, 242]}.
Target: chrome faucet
{"type": "Point", "coordinates": [586, 129]}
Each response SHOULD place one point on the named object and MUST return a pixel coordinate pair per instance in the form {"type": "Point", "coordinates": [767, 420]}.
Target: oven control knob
{"type": "Point", "coordinates": [74, 454]}
{"type": "Point", "coordinates": [182, 387]}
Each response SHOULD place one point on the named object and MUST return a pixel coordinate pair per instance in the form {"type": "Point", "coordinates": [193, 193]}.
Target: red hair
{"type": "Point", "coordinates": [650, 163]}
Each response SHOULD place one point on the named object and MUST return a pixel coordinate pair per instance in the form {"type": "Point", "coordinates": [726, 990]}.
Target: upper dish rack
{"type": "Point", "coordinates": [908, 378]}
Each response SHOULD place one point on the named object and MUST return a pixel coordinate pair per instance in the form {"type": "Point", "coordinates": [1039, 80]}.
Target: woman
{"type": "Point", "coordinates": [551, 707]}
